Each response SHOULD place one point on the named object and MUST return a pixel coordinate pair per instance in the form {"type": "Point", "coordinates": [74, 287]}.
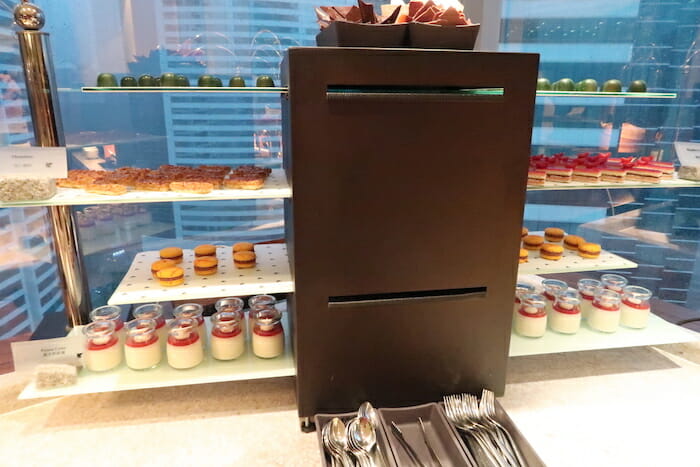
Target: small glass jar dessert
{"type": "Point", "coordinates": [227, 340]}
{"type": "Point", "coordinates": [259, 302]}
{"type": "Point", "coordinates": [521, 289]}
{"type": "Point", "coordinates": [605, 314]}
{"type": "Point", "coordinates": [104, 222]}
{"type": "Point", "coordinates": [613, 282]}
{"type": "Point", "coordinates": [635, 307]}
{"type": "Point", "coordinates": [86, 225]}
{"type": "Point", "coordinates": [586, 292]}
{"type": "Point", "coordinates": [232, 304]}
{"type": "Point", "coordinates": [566, 313]}
{"type": "Point", "coordinates": [155, 312]}
{"type": "Point", "coordinates": [552, 288]}
{"type": "Point", "coordinates": [268, 334]}
{"type": "Point", "coordinates": [142, 349]}
{"type": "Point", "coordinates": [184, 348]}
{"type": "Point", "coordinates": [102, 349]}
{"type": "Point", "coordinates": [531, 320]}
{"type": "Point", "coordinates": [110, 313]}
{"type": "Point", "coordinates": [190, 310]}
{"type": "Point", "coordinates": [143, 216]}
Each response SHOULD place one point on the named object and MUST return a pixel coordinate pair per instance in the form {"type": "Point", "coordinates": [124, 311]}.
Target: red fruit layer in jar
{"type": "Point", "coordinates": [567, 311]}
{"type": "Point", "coordinates": [539, 314]}
{"type": "Point", "coordinates": [92, 346]}
{"type": "Point", "coordinates": [549, 296]}
{"type": "Point", "coordinates": [586, 297]}
{"type": "Point", "coordinates": [131, 342]}
{"type": "Point", "coordinates": [224, 335]}
{"type": "Point", "coordinates": [194, 337]}
{"type": "Point", "coordinates": [639, 306]}
{"type": "Point", "coordinates": [605, 308]}
{"type": "Point", "coordinates": [277, 329]}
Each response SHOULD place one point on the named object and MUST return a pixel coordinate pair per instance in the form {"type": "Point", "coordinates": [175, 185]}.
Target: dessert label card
{"type": "Point", "coordinates": [33, 162]}
{"type": "Point", "coordinates": [27, 355]}
{"type": "Point", "coordinates": [688, 153]}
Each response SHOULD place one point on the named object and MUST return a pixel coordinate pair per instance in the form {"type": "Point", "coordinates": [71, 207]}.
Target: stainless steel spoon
{"type": "Point", "coordinates": [365, 436]}
{"type": "Point", "coordinates": [367, 411]}
{"type": "Point", "coordinates": [338, 439]}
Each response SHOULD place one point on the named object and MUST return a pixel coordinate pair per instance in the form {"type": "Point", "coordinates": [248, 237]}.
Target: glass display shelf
{"type": "Point", "coordinates": [609, 95]}
{"type": "Point", "coordinates": [671, 183]}
{"type": "Point", "coordinates": [658, 332]}
{"type": "Point", "coordinates": [572, 262]}
{"type": "Point", "coordinates": [122, 378]}
{"type": "Point", "coordinates": [276, 186]}
{"type": "Point", "coordinates": [190, 89]}
{"type": "Point", "coordinates": [270, 275]}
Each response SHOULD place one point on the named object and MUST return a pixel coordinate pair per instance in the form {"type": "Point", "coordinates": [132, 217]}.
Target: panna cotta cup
{"type": "Point", "coordinates": [268, 334]}
{"type": "Point", "coordinates": [142, 348]}
{"type": "Point", "coordinates": [613, 282]}
{"type": "Point", "coordinates": [531, 319]}
{"type": "Point", "coordinates": [227, 340]}
{"type": "Point", "coordinates": [184, 348]}
{"type": "Point", "coordinates": [552, 288]}
{"type": "Point", "coordinates": [520, 289]}
{"type": "Point", "coordinates": [566, 313]}
{"type": "Point", "coordinates": [232, 304]}
{"type": "Point", "coordinates": [110, 313]}
{"type": "Point", "coordinates": [258, 302]}
{"type": "Point", "coordinates": [635, 307]}
{"type": "Point", "coordinates": [605, 314]}
{"type": "Point", "coordinates": [586, 291]}
{"type": "Point", "coordinates": [102, 349]}
{"type": "Point", "coordinates": [193, 311]}
{"type": "Point", "coordinates": [155, 312]}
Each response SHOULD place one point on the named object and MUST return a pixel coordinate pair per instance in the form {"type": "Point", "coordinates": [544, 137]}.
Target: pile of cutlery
{"type": "Point", "coordinates": [354, 444]}
{"type": "Point", "coordinates": [489, 441]}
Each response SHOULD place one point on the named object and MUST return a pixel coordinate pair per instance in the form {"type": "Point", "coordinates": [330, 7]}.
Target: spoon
{"type": "Point", "coordinates": [368, 412]}
{"type": "Point", "coordinates": [339, 440]}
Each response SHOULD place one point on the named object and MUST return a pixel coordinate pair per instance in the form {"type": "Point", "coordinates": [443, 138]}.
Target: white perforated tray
{"type": "Point", "coordinates": [271, 275]}
{"type": "Point", "coordinates": [572, 262]}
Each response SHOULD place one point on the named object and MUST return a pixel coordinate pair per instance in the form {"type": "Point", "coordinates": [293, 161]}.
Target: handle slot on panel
{"type": "Point", "coordinates": [397, 298]}
{"type": "Point", "coordinates": [405, 93]}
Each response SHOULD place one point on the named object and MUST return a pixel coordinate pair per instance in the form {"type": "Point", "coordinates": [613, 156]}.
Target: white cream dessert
{"type": "Point", "coordinates": [531, 319]}
{"type": "Point", "coordinates": [566, 313]}
{"type": "Point", "coordinates": [635, 307]}
{"type": "Point", "coordinates": [102, 350]}
{"type": "Point", "coordinates": [586, 291]}
{"type": "Point", "coordinates": [552, 288]}
{"type": "Point", "coordinates": [155, 312]}
{"type": "Point", "coordinates": [521, 289]}
{"type": "Point", "coordinates": [605, 314]}
{"type": "Point", "coordinates": [184, 348]}
{"type": "Point", "coordinates": [142, 349]}
{"type": "Point", "coordinates": [234, 304]}
{"type": "Point", "coordinates": [613, 282]}
{"type": "Point", "coordinates": [227, 340]}
{"type": "Point", "coordinates": [268, 334]}
{"type": "Point", "coordinates": [193, 311]}
{"type": "Point", "coordinates": [111, 313]}
{"type": "Point", "coordinates": [256, 303]}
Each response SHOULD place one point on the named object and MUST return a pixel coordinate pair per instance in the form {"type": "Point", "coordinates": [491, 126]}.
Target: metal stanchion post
{"type": "Point", "coordinates": [46, 121]}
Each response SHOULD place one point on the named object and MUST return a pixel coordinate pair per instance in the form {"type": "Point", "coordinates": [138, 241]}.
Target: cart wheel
{"type": "Point", "coordinates": [306, 425]}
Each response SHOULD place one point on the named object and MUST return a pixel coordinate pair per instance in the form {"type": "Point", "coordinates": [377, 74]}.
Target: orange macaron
{"type": "Point", "coordinates": [571, 242]}
{"type": "Point", "coordinates": [206, 265]}
{"type": "Point", "coordinates": [205, 250]}
{"type": "Point", "coordinates": [170, 277]}
{"type": "Point", "coordinates": [524, 232]}
{"type": "Point", "coordinates": [589, 250]}
{"type": "Point", "coordinates": [554, 234]}
{"type": "Point", "coordinates": [533, 242]}
{"type": "Point", "coordinates": [172, 253]}
{"type": "Point", "coordinates": [523, 255]}
{"type": "Point", "coordinates": [161, 264]}
{"type": "Point", "coordinates": [243, 246]}
{"type": "Point", "coordinates": [244, 259]}
{"type": "Point", "coordinates": [551, 252]}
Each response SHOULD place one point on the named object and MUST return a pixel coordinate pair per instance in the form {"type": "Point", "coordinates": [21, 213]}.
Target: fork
{"type": "Point", "coordinates": [500, 444]}
{"type": "Point", "coordinates": [455, 413]}
{"type": "Point", "coordinates": [487, 407]}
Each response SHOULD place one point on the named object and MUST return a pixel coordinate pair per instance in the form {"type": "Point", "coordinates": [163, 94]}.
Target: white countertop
{"type": "Point", "coordinates": [620, 407]}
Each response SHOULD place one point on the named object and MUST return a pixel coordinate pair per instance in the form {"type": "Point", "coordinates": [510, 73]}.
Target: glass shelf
{"type": "Point", "coordinates": [609, 95]}
{"type": "Point", "coordinates": [193, 89]}
{"type": "Point", "coordinates": [672, 183]}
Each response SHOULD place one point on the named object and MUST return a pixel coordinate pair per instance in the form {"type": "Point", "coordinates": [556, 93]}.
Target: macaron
{"type": "Point", "coordinates": [571, 242]}
{"type": "Point", "coordinates": [244, 259]}
{"type": "Point", "coordinates": [206, 265]}
{"type": "Point", "coordinates": [205, 250]}
{"type": "Point", "coordinates": [172, 253]}
{"type": "Point", "coordinates": [243, 246]}
{"type": "Point", "coordinates": [533, 242]}
{"type": "Point", "coordinates": [161, 264]}
{"type": "Point", "coordinates": [523, 255]}
{"type": "Point", "coordinates": [551, 252]}
{"type": "Point", "coordinates": [553, 234]}
{"type": "Point", "coordinates": [524, 232]}
{"type": "Point", "coordinates": [170, 277]}
{"type": "Point", "coordinates": [589, 250]}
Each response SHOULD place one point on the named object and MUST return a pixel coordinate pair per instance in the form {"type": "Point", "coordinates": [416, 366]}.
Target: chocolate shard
{"type": "Point", "coordinates": [322, 15]}
{"type": "Point", "coordinates": [343, 11]}
{"type": "Point", "coordinates": [330, 11]}
{"type": "Point", "coordinates": [391, 18]}
{"type": "Point", "coordinates": [354, 16]}
{"type": "Point", "coordinates": [367, 10]}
